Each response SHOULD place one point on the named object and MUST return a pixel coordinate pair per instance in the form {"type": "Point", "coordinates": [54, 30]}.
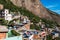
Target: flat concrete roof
{"type": "Point", "coordinates": [3, 29]}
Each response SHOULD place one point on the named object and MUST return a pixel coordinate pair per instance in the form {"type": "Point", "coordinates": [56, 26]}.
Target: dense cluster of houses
{"type": "Point", "coordinates": [23, 28]}
{"type": "Point", "coordinates": [5, 14]}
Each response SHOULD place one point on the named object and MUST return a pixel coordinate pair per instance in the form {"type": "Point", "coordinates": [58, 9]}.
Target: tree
{"type": "Point", "coordinates": [34, 26]}
{"type": "Point", "coordinates": [3, 21]}
{"type": "Point", "coordinates": [49, 37]}
{"type": "Point", "coordinates": [15, 33]}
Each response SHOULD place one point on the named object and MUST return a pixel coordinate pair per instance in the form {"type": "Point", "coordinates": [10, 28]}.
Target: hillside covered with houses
{"type": "Point", "coordinates": [18, 23]}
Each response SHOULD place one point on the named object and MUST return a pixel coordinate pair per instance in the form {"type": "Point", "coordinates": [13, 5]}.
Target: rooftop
{"type": "Point", "coordinates": [3, 29]}
{"type": "Point", "coordinates": [36, 37]}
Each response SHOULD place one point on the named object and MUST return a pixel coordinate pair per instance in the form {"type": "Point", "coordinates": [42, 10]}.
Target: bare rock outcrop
{"type": "Point", "coordinates": [36, 7]}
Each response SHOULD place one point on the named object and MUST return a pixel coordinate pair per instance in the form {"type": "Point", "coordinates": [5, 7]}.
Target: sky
{"type": "Point", "coordinates": [53, 5]}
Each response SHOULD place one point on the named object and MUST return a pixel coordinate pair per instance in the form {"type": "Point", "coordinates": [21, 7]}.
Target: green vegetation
{"type": "Point", "coordinates": [33, 18]}
{"type": "Point", "coordinates": [49, 23]}
{"type": "Point", "coordinates": [53, 13]}
{"type": "Point", "coordinates": [15, 33]}
{"type": "Point", "coordinates": [58, 38]}
{"type": "Point", "coordinates": [3, 21]}
{"type": "Point", "coordinates": [49, 37]}
{"type": "Point", "coordinates": [34, 26]}
{"type": "Point", "coordinates": [12, 21]}
{"type": "Point", "coordinates": [9, 5]}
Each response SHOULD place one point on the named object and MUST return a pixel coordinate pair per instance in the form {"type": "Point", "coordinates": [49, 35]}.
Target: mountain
{"type": "Point", "coordinates": [48, 17]}
{"type": "Point", "coordinates": [36, 7]}
{"type": "Point", "coordinates": [34, 10]}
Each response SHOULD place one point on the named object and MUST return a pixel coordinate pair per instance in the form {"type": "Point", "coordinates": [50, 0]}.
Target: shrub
{"type": "Point", "coordinates": [3, 21]}
{"type": "Point", "coordinates": [15, 33]}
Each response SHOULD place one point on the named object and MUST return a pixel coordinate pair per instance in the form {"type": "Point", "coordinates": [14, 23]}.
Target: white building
{"type": "Point", "coordinates": [34, 37]}
{"type": "Point", "coordinates": [31, 37]}
{"type": "Point", "coordinates": [55, 35]}
{"type": "Point", "coordinates": [7, 15]}
{"type": "Point", "coordinates": [26, 20]}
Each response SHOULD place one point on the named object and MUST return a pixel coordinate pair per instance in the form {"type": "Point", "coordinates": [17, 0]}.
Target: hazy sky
{"type": "Point", "coordinates": [53, 5]}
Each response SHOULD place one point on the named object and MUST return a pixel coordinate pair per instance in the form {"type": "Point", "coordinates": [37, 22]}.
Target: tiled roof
{"type": "Point", "coordinates": [35, 37]}
{"type": "Point", "coordinates": [3, 29]}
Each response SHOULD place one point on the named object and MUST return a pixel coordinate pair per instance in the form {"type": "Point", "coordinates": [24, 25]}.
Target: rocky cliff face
{"type": "Point", "coordinates": [36, 7]}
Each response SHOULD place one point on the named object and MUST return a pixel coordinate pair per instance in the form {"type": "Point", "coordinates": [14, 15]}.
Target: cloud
{"type": "Point", "coordinates": [54, 8]}
{"type": "Point", "coordinates": [58, 11]}
{"type": "Point", "coordinates": [51, 6]}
